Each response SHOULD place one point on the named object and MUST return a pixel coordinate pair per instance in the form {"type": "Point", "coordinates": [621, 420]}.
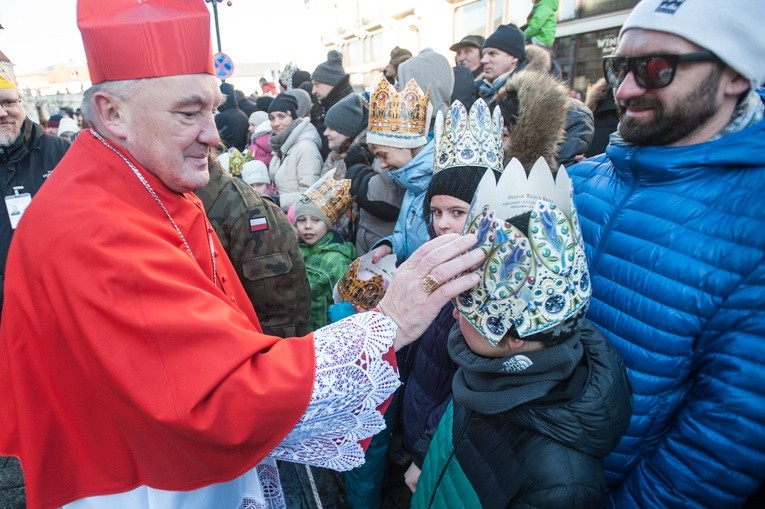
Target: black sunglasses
{"type": "Point", "coordinates": [651, 71]}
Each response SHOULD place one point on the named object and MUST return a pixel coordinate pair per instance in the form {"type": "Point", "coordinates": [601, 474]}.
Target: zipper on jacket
{"type": "Point", "coordinates": [616, 211]}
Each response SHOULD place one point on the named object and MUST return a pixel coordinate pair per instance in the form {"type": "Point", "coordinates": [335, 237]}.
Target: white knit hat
{"type": "Point", "coordinates": [255, 172]}
{"type": "Point", "coordinates": [67, 125]}
{"type": "Point", "coordinates": [732, 32]}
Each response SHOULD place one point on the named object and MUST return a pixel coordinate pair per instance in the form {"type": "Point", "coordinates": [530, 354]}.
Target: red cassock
{"type": "Point", "coordinates": [122, 362]}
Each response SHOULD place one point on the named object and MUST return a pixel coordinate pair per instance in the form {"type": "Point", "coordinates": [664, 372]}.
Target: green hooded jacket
{"type": "Point", "coordinates": [542, 22]}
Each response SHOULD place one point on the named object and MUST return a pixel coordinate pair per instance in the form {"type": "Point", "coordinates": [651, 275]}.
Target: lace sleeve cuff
{"type": "Point", "coordinates": [352, 380]}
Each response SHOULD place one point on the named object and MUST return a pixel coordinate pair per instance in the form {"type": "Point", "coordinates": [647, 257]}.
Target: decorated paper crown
{"type": "Point", "coordinates": [365, 282]}
{"type": "Point", "coordinates": [331, 195]}
{"type": "Point", "coordinates": [398, 119]}
{"type": "Point", "coordinates": [128, 39]}
{"type": "Point", "coordinates": [531, 280]}
{"type": "Point", "coordinates": [236, 161]}
{"type": "Point", "coordinates": [468, 140]}
{"type": "Point", "coordinates": [285, 78]}
{"type": "Point", "coordinates": [7, 78]}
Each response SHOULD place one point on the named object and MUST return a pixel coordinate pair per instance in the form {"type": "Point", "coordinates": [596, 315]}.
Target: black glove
{"type": "Point", "coordinates": [358, 154]}
{"type": "Point", "coordinates": [275, 199]}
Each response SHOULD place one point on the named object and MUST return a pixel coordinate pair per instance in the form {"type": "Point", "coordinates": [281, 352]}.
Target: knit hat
{"type": "Point", "coordinates": [303, 99]}
{"type": "Point", "coordinates": [397, 53]}
{"type": "Point", "coordinates": [285, 103]}
{"type": "Point", "coordinates": [509, 39]}
{"type": "Point", "coordinates": [457, 181]}
{"type": "Point", "coordinates": [67, 125]}
{"type": "Point", "coordinates": [255, 172]}
{"type": "Point", "coordinates": [309, 208]}
{"type": "Point", "coordinates": [299, 77]}
{"type": "Point", "coordinates": [179, 32]}
{"type": "Point", "coordinates": [330, 72]}
{"type": "Point", "coordinates": [54, 120]}
{"type": "Point", "coordinates": [475, 41]}
{"type": "Point", "coordinates": [731, 34]}
{"type": "Point", "coordinates": [326, 199]}
{"type": "Point", "coordinates": [349, 116]}
{"type": "Point", "coordinates": [263, 102]}
{"type": "Point", "coordinates": [257, 118]}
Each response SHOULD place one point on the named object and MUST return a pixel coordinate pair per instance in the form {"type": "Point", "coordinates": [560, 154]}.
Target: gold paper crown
{"type": "Point", "coordinates": [398, 119]}
{"type": "Point", "coordinates": [7, 78]}
{"type": "Point", "coordinates": [332, 196]}
{"type": "Point", "coordinates": [365, 282]}
{"type": "Point", "coordinates": [531, 280]}
{"type": "Point", "coordinates": [468, 140]}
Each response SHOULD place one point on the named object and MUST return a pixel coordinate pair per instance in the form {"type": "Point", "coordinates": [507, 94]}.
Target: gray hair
{"type": "Point", "coordinates": [121, 89]}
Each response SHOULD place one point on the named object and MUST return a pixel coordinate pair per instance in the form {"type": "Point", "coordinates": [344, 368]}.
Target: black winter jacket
{"type": "Point", "coordinates": [27, 163]}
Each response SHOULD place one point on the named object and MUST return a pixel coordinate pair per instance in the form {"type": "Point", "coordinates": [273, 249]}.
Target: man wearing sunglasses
{"type": "Point", "coordinates": [673, 216]}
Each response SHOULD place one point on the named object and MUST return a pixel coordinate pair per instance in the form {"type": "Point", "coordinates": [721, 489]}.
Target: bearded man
{"type": "Point", "coordinates": [672, 215]}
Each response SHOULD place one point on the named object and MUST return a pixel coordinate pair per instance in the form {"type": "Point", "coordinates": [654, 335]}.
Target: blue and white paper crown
{"type": "Point", "coordinates": [464, 139]}
{"type": "Point", "coordinates": [531, 281]}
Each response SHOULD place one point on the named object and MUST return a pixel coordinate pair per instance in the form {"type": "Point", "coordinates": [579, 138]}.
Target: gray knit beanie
{"type": "Point", "coordinates": [349, 116]}
{"type": "Point", "coordinates": [330, 72]}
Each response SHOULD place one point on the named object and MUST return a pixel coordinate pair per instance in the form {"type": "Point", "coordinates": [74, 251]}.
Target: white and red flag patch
{"type": "Point", "coordinates": [258, 224]}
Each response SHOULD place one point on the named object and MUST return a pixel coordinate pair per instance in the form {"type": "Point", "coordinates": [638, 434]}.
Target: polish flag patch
{"type": "Point", "coordinates": [258, 224]}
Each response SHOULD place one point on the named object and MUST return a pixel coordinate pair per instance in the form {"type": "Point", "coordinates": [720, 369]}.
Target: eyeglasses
{"type": "Point", "coordinates": [651, 71]}
{"type": "Point", "coordinates": [9, 104]}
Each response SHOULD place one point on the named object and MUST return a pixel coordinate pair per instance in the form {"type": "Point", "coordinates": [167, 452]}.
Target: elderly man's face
{"type": "Point", "coordinates": [170, 128]}
{"type": "Point", "coordinates": [686, 111]}
{"type": "Point", "coordinates": [497, 62]}
{"type": "Point", "coordinates": [469, 56]}
{"type": "Point", "coordinates": [12, 116]}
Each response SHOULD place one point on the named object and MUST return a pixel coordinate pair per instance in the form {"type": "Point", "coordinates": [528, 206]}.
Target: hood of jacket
{"type": "Point", "coordinates": [416, 174]}
{"type": "Point", "coordinates": [303, 131]}
{"type": "Point", "coordinates": [331, 242]}
{"type": "Point", "coordinates": [543, 105]}
{"type": "Point", "coordinates": [430, 70]}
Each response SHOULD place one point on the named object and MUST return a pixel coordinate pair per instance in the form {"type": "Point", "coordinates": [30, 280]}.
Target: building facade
{"type": "Point", "coordinates": [365, 32]}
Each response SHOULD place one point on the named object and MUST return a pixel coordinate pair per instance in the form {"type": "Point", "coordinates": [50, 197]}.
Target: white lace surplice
{"type": "Point", "coordinates": [352, 380]}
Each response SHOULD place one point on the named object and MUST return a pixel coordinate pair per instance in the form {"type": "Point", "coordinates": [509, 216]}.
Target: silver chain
{"type": "Point", "coordinates": [153, 194]}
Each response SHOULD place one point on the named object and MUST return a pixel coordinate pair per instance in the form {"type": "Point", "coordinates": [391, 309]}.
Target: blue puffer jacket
{"type": "Point", "coordinates": [676, 243]}
{"type": "Point", "coordinates": [411, 230]}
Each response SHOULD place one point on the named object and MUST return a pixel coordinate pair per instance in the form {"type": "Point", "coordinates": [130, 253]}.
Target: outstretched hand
{"type": "Point", "coordinates": [423, 284]}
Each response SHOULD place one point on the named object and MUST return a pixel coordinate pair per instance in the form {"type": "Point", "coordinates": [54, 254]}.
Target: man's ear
{"type": "Point", "coordinates": [736, 85]}
{"type": "Point", "coordinates": [108, 109]}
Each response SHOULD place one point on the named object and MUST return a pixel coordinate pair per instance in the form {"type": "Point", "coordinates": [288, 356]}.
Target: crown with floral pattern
{"type": "Point", "coordinates": [398, 119]}
{"type": "Point", "coordinates": [464, 139]}
{"type": "Point", "coordinates": [535, 275]}
{"type": "Point", "coordinates": [365, 282]}
{"type": "Point", "coordinates": [331, 195]}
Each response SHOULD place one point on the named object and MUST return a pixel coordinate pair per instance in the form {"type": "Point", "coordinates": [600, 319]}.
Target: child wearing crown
{"type": "Point", "coordinates": [465, 148]}
{"type": "Point", "coordinates": [398, 137]}
{"type": "Point", "coordinates": [325, 253]}
{"type": "Point", "coordinates": [539, 397]}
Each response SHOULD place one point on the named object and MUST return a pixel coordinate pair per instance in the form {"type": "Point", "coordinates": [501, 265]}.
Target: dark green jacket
{"type": "Point", "coordinates": [326, 262]}
{"type": "Point", "coordinates": [267, 259]}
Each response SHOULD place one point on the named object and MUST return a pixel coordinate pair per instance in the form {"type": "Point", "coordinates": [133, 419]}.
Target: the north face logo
{"type": "Point", "coordinates": [517, 364]}
{"type": "Point", "coordinates": [669, 6]}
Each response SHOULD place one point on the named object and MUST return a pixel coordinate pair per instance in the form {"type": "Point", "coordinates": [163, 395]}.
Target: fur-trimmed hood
{"type": "Point", "coordinates": [540, 105]}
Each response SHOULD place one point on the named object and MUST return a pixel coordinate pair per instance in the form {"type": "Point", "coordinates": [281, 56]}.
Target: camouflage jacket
{"type": "Point", "coordinates": [264, 250]}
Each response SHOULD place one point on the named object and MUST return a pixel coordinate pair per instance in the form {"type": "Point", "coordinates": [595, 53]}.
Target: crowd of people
{"type": "Point", "coordinates": [521, 298]}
